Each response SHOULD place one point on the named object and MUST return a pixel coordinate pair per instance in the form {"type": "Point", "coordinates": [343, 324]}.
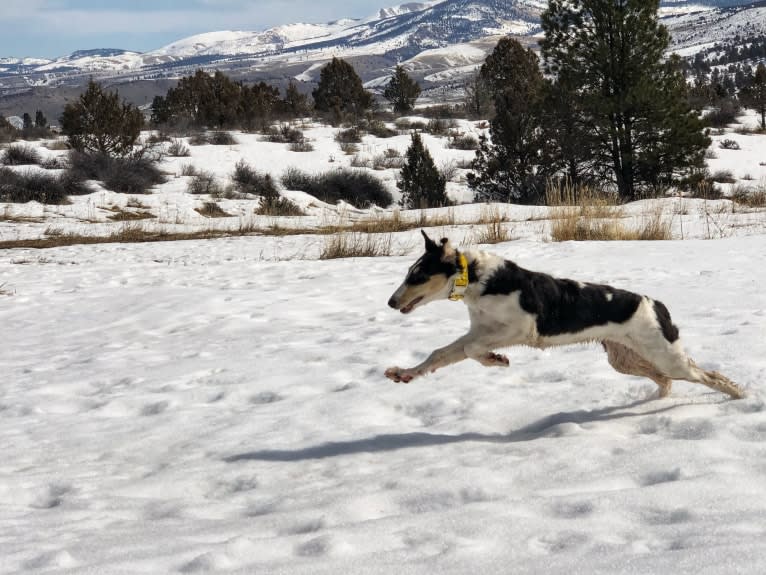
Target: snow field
{"type": "Point", "coordinates": [189, 407]}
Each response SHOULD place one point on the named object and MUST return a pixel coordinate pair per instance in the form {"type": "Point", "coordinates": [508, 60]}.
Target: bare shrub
{"type": "Point", "coordinates": [360, 161]}
{"type": "Point", "coordinates": [58, 145]}
{"type": "Point", "coordinates": [278, 206]}
{"type": "Point", "coordinates": [221, 138]}
{"type": "Point", "coordinates": [283, 134]}
{"type": "Point", "coordinates": [749, 197]}
{"type": "Point", "coordinates": [126, 175]}
{"type": "Point", "coordinates": [248, 180]}
{"type": "Point", "coordinates": [379, 129]}
{"type": "Point", "coordinates": [357, 187]}
{"type": "Point", "coordinates": [177, 149]}
{"type": "Point", "coordinates": [463, 142]}
{"type": "Point", "coordinates": [349, 148]}
{"type": "Point", "coordinates": [302, 146]}
{"type": "Point", "coordinates": [188, 170]}
{"type": "Point", "coordinates": [204, 183]}
{"type": "Point", "coordinates": [52, 163]}
{"type": "Point", "coordinates": [120, 215]}
{"type": "Point", "coordinates": [20, 155]}
{"type": "Point", "coordinates": [212, 210]}
{"type": "Point", "coordinates": [723, 177]}
{"type": "Point", "coordinates": [351, 135]}
{"type": "Point", "coordinates": [390, 158]}
{"type": "Point", "coordinates": [198, 139]}
{"type": "Point", "coordinates": [729, 144]}
{"type": "Point", "coordinates": [22, 187]}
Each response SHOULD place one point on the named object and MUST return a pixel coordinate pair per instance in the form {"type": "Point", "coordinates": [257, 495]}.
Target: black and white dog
{"type": "Point", "coordinates": [509, 305]}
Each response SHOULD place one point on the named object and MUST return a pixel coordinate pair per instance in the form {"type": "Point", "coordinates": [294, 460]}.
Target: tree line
{"type": "Point", "coordinates": [602, 105]}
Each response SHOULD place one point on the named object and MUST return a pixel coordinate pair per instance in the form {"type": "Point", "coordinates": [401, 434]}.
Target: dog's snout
{"type": "Point", "coordinates": [392, 302]}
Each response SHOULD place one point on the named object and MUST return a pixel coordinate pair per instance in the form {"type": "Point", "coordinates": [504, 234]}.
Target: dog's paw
{"type": "Point", "coordinates": [400, 375]}
{"type": "Point", "coordinates": [493, 359]}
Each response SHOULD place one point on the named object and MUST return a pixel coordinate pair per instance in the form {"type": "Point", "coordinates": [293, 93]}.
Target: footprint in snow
{"type": "Point", "coordinates": [664, 476]}
{"type": "Point", "coordinates": [314, 547]}
{"type": "Point", "coordinates": [265, 397]}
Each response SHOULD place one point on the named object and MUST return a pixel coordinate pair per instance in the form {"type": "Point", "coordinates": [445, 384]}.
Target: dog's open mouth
{"type": "Point", "coordinates": [410, 306]}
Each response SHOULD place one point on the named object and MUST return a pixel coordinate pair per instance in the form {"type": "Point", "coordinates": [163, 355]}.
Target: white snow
{"type": "Point", "coordinates": [219, 406]}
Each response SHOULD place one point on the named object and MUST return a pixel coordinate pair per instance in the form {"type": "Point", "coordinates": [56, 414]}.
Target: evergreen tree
{"type": "Point", "coordinates": [613, 51]}
{"type": "Point", "coordinates": [161, 113]}
{"type": "Point", "coordinates": [515, 165]}
{"type": "Point", "coordinates": [258, 105]}
{"type": "Point", "coordinates": [98, 122]}
{"type": "Point", "coordinates": [295, 103]}
{"type": "Point", "coordinates": [478, 98]}
{"type": "Point", "coordinates": [571, 143]}
{"type": "Point", "coordinates": [754, 95]}
{"type": "Point", "coordinates": [27, 119]}
{"type": "Point", "coordinates": [40, 120]}
{"type": "Point", "coordinates": [402, 91]}
{"type": "Point", "coordinates": [421, 183]}
{"type": "Point", "coordinates": [340, 92]}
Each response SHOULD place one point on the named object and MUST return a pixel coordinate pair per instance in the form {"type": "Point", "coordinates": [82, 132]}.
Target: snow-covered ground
{"type": "Point", "coordinates": [190, 407]}
{"type": "Point", "coordinates": [220, 407]}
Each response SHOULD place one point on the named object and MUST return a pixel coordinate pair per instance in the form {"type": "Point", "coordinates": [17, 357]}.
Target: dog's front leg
{"type": "Point", "coordinates": [439, 358]}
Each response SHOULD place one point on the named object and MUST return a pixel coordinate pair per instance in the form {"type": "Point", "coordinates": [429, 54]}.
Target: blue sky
{"type": "Point", "coordinates": [52, 28]}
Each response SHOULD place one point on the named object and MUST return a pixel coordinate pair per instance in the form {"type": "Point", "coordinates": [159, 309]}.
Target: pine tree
{"type": "Point", "coordinates": [613, 50]}
{"type": "Point", "coordinates": [421, 183]}
{"type": "Point", "coordinates": [295, 103]}
{"type": "Point", "coordinates": [98, 122]}
{"type": "Point", "coordinates": [478, 98]}
{"type": "Point", "coordinates": [515, 165]}
{"type": "Point", "coordinates": [40, 120]}
{"type": "Point", "coordinates": [340, 92]}
{"type": "Point", "coordinates": [27, 119]}
{"type": "Point", "coordinates": [754, 95]}
{"type": "Point", "coordinates": [258, 104]}
{"type": "Point", "coordinates": [402, 91]}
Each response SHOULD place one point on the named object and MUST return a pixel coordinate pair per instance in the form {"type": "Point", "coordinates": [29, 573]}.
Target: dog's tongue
{"type": "Point", "coordinates": [409, 306]}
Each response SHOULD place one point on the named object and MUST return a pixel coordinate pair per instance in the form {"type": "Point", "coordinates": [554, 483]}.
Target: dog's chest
{"type": "Point", "coordinates": [500, 312]}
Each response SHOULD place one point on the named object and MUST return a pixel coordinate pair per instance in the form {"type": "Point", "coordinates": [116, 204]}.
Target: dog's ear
{"type": "Point", "coordinates": [430, 244]}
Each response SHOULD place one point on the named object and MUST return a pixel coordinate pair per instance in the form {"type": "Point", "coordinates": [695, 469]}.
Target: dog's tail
{"type": "Point", "coordinates": [718, 381]}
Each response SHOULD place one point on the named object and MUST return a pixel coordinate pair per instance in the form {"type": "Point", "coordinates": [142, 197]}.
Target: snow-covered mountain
{"type": "Point", "coordinates": [416, 32]}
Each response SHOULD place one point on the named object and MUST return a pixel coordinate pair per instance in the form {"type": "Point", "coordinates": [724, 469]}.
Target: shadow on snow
{"type": "Point", "coordinates": [545, 427]}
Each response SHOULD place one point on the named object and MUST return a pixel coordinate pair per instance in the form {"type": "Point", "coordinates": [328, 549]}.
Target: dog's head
{"type": "Point", "coordinates": [428, 279]}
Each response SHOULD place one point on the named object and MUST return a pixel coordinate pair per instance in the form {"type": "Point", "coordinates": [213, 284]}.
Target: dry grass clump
{"type": "Point", "coordinates": [20, 155]}
{"type": "Point", "coordinates": [120, 215]}
{"type": "Point", "coordinates": [749, 197]}
{"type": "Point", "coordinates": [276, 205]}
{"type": "Point", "coordinates": [356, 245]}
{"type": "Point", "coordinates": [58, 145]}
{"type": "Point", "coordinates": [494, 229]}
{"type": "Point", "coordinates": [177, 149]}
{"type": "Point", "coordinates": [390, 158]}
{"type": "Point", "coordinates": [204, 183]}
{"type": "Point", "coordinates": [583, 213]}
{"type": "Point", "coordinates": [574, 227]}
{"type": "Point", "coordinates": [212, 210]}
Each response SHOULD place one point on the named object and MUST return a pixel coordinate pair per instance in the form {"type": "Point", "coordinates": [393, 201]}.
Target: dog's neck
{"type": "Point", "coordinates": [461, 279]}
{"type": "Point", "coordinates": [478, 264]}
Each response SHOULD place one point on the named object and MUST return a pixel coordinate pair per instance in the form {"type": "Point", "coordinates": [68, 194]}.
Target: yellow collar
{"type": "Point", "coordinates": [461, 281]}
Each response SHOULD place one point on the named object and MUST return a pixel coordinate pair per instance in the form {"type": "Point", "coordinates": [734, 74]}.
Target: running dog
{"type": "Point", "coordinates": [509, 305]}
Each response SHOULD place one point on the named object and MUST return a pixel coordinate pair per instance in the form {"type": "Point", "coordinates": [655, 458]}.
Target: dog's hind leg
{"type": "Point", "coordinates": [671, 362]}
{"type": "Point", "coordinates": [625, 360]}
